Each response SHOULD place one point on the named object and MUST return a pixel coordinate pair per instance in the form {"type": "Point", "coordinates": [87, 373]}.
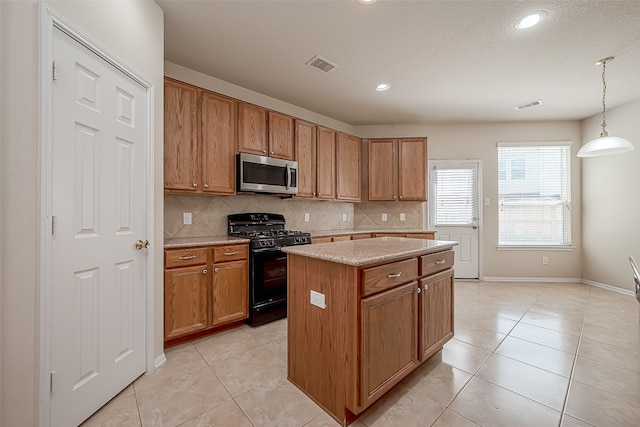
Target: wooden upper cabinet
{"type": "Point", "coordinates": [219, 143]}
{"type": "Point", "coordinates": [181, 136]}
{"type": "Point", "coordinates": [252, 129]}
{"type": "Point", "coordinates": [383, 171]}
{"type": "Point", "coordinates": [306, 158]}
{"type": "Point", "coordinates": [348, 149]}
{"type": "Point", "coordinates": [281, 136]}
{"type": "Point", "coordinates": [325, 163]}
{"type": "Point", "coordinates": [412, 169]}
{"type": "Point", "coordinates": [397, 169]}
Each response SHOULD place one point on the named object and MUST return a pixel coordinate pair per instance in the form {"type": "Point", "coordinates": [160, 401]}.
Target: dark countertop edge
{"type": "Point", "coordinates": [188, 242]}
{"type": "Point", "coordinates": [369, 260]}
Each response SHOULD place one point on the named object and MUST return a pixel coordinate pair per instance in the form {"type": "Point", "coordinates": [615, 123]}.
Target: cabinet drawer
{"type": "Point", "coordinates": [341, 238]}
{"type": "Point", "coordinates": [185, 257]}
{"type": "Point", "coordinates": [429, 236]}
{"type": "Point", "coordinates": [361, 236]}
{"type": "Point", "coordinates": [321, 240]}
{"type": "Point", "coordinates": [433, 263]}
{"type": "Point", "coordinates": [229, 253]}
{"type": "Point", "coordinates": [387, 276]}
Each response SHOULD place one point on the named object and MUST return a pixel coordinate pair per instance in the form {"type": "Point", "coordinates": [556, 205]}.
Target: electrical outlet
{"type": "Point", "coordinates": [344, 216]}
{"type": "Point", "coordinates": [384, 217]}
{"type": "Point", "coordinates": [545, 260]}
{"type": "Point", "coordinates": [306, 217]}
{"type": "Point", "coordinates": [403, 217]}
{"type": "Point", "coordinates": [186, 218]}
{"type": "Point", "coordinates": [487, 202]}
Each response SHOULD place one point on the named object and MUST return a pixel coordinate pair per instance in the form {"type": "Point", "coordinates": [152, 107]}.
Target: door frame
{"type": "Point", "coordinates": [478, 165]}
{"type": "Point", "coordinates": [50, 19]}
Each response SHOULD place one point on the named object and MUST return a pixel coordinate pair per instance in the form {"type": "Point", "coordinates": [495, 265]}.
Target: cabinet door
{"type": "Point", "coordinates": [412, 156]}
{"type": "Point", "coordinates": [281, 138]}
{"type": "Point", "coordinates": [436, 312]}
{"type": "Point", "coordinates": [325, 163]}
{"type": "Point", "coordinates": [252, 129]}
{"type": "Point", "coordinates": [306, 157]}
{"type": "Point", "coordinates": [389, 340]}
{"type": "Point", "coordinates": [383, 172]}
{"type": "Point", "coordinates": [181, 136]}
{"type": "Point", "coordinates": [185, 301]}
{"type": "Point", "coordinates": [230, 292]}
{"type": "Point", "coordinates": [348, 172]}
{"type": "Point", "coordinates": [219, 144]}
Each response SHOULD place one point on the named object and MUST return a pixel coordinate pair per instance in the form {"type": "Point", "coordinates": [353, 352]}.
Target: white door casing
{"type": "Point", "coordinates": [454, 214]}
{"type": "Point", "coordinates": [96, 164]}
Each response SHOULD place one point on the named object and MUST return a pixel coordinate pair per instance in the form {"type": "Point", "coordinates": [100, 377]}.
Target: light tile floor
{"type": "Point", "coordinates": [524, 354]}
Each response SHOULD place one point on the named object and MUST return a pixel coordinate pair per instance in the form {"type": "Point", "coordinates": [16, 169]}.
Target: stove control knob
{"type": "Point", "coordinates": [262, 243]}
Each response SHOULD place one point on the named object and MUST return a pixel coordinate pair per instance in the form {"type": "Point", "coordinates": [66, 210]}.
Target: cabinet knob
{"type": "Point", "coordinates": [204, 271]}
{"type": "Point", "coordinates": [314, 193]}
{"type": "Point", "coordinates": [394, 197]}
{"type": "Point", "coordinates": [216, 270]}
{"type": "Point", "coordinates": [338, 195]}
{"type": "Point", "coordinates": [271, 152]}
{"type": "Point", "coordinates": [319, 194]}
{"type": "Point", "coordinates": [426, 287]}
{"type": "Point", "coordinates": [418, 291]}
{"type": "Point", "coordinates": [264, 151]}
{"type": "Point", "coordinates": [195, 185]}
{"type": "Point", "coordinates": [401, 197]}
{"type": "Point", "coordinates": [206, 186]}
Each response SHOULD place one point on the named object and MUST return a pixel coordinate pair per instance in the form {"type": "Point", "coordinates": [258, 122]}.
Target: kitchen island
{"type": "Point", "coordinates": [363, 314]}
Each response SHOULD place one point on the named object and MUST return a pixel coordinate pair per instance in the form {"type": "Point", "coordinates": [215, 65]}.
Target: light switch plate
{"type": "Point", "coordinates": [403, 217]}
{"type": "Point", "coordinates": [306, 217]}
{"type": "Point", "coordinates": [487, 202]}
{"type": "Point", "coordinates": [344, 216]}
{"type": "Point", "coordinates": [384, 217]}
{"type": "Point", "coordinates": [186, 218]}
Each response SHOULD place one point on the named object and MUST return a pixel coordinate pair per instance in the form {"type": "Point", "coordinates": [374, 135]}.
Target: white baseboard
{"type": "Point", "coordinates": [159, 361]}
{"type": "Point", "coordinates": [562, 280]}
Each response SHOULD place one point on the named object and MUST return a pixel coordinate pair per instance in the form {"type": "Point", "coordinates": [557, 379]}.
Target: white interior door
{"type": "Point", "coordinates": [454, 211]}
{"type": "Point", "coordinates": [99, 173]}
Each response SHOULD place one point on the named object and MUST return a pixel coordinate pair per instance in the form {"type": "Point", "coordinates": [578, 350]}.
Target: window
{"type": "Point", "coordinates": [534, 194]}
{"type": "Point", "coordinates": [455, 190]}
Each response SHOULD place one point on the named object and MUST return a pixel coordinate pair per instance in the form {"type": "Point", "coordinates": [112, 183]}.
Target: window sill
{"type": "Point", "coordinates": [534, 248]}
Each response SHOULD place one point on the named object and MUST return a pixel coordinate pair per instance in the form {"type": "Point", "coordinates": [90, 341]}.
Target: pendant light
{"type": "Point", "coordinates": [605, 145]}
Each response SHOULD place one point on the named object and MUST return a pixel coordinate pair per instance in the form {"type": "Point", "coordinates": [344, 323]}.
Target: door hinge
{"type": "Point", "coordinates": [55, 71]}
{"type": "Point", "coordinates": [51, 381]}
{"type": "Point", "coordinates": [54, 224]}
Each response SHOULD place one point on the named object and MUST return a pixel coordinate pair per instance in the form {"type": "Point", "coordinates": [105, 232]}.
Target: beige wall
{"type": "Point", "coordinates": [478, 142]}
{"type": "Point", "coordinates": [134, 32]}
{"type": "Point", "coordinates": [611, 202]}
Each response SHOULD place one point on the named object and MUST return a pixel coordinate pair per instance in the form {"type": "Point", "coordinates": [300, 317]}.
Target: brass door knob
{"type": "Point", "coordinates": [142, 245]}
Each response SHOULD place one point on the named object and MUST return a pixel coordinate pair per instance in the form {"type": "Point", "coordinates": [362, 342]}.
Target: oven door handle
{"type": "Point", "coordinates": [267, 250]}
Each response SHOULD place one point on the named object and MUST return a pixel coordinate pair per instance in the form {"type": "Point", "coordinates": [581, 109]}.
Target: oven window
{"type": "Point", "coordinates": [269, 276]}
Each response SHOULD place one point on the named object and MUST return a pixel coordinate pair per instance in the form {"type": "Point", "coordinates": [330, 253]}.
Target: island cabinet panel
{"type": "Point", "coordinates": [436, 313]}
{"type": "Point", "coordinates": [389, 340]}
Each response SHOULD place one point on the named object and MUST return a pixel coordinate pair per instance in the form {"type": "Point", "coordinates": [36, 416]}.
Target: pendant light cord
{"type": "Point", "coordinates": [604, 105]}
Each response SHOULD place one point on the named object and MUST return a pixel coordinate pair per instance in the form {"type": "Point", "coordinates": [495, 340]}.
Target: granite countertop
{"type": "Point", "coordinates": [187, 242]}
{"type": "Point", "coordinates": [369, 251]}
{"type": "Point", "coordinates": [329, 233]}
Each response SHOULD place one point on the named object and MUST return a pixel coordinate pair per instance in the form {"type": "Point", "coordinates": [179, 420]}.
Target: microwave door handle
{"type": "Point", "coordinates": [288, 177]}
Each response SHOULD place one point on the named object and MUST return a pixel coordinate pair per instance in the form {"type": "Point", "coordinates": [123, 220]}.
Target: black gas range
{"type": "Point", "coordinates": [267, 262]}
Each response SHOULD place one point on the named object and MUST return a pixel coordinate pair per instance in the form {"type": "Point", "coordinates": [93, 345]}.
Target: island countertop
{"type": "Point", "coordinates": [369, 251]}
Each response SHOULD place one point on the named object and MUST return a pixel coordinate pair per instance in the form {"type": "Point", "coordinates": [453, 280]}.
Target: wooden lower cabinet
{"type": "Point", "coordinates": [186, 307]}
{"type": "Point", "coordinates": [379, 322]}
{"type": "Point", "coordinates": [230, 292]}
{"type": "Point", "coordinates": [389, 340]}
{"type": "Point", "coordinates": [200, 298]}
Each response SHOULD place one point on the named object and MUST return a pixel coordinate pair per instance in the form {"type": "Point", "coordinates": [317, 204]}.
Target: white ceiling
{"type": "Point", "coordinates": [446, 61]}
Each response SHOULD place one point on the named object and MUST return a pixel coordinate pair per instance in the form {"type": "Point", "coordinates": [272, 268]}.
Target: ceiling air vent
{"type": "Point", "coordinates": [529, 104]}
{"type": "Point", "coordinates": [321, 64]}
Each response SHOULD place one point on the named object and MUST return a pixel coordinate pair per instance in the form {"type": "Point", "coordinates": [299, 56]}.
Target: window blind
{"type": "Point", "coordinates": [534, 194]}
{"type": "Point", "coordinates": [455, 196]}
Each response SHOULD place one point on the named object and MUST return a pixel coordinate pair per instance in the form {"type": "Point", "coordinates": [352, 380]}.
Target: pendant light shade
{"type": "Point", "coordinates": [605, 145]}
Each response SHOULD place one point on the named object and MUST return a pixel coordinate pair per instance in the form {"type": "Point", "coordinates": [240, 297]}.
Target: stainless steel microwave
{"type": "Point", "coordinates": [261, 174]}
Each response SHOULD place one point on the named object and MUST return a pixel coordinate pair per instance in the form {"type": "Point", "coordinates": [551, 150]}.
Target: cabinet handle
{"type": "Point", "coordinates": [271, 152]}
{"type": "Point", "coordinates": [188, 257]}
{"type": "Point", "coordinates": [440, 262]}
{"type": "Point", "coordinates": [204, 271]}
{"type": "Point", "coordinates": [314, 193]}
{"type": "Point", "coordinates": [319, 194]}
{"type": "Point", "coordinates": [426, 287]}
{"type": "Point", "coordinates": [215, 270]}
{"type": "Point", "coordinates": [418, 291]}
{"type": "Point", "coordinates": [394, 197]}
{"type": "Point", "coordinates": [206, 186]}
{"type": "Point", "coordinates": [195, 185]}
{"type": "Point", "coordinates": [264, 151]}
{"type": "Point", "coordinates": [231, 253]}
{"type": "Point", "coordinates": [393, 276]}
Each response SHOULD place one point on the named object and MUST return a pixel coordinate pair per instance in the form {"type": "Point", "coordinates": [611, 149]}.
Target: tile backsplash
{"type": "Point", "coordinates": [209, 214]}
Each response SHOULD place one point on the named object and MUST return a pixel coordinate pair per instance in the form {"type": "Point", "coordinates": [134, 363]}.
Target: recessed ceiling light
{"type": "Point", "coordinates": [366, 1]}
{"type": "Point", "coordinates": [530, 20]}
{"type": "Point", "coordinates": [382, 87]}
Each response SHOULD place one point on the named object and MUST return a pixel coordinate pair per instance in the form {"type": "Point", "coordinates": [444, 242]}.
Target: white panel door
{"type": "Point", "coordinates": [453, 213]}
{"type": "Point", "coordinates": [98, 203]}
